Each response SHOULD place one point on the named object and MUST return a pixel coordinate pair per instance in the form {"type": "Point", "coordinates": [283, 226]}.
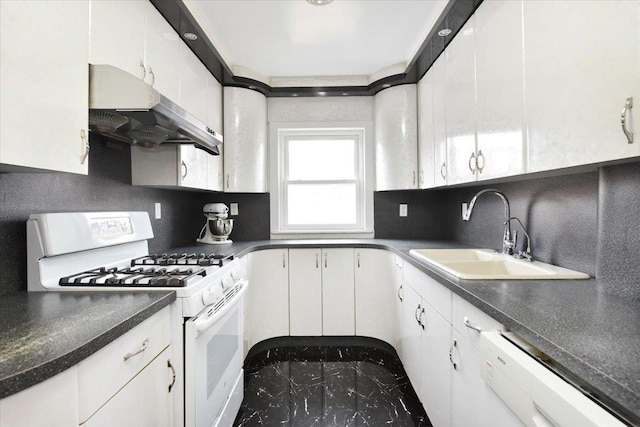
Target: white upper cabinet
{"type": "Point", "coordinates": [500, 90]}
{"type": "Point", "coordinates": [194, 89]}
{"type": "Point", "coordinates": [437, 72]}
{"type": "Point", "coordinates": [45, 86]}
{"type": "Point", "coordinates": [461, 105]}
{"type": "Point", "coordinates": [123, 48]}
{"type": "Point", "coordinates": [245, 141]}
{"type": "Point", "coordinates": [582, 62]}
{"type": "Point", "coordinates": [163, 48]}
{"type": "Point", "coordinates": [396, 138]}
{"type": "Point", "coordinates": [426, 141]}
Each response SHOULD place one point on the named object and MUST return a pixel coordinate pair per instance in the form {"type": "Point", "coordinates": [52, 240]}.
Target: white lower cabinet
{"type": "Point", "coordinates": [473, 401]}
{"type": "Point", "coordinates": [129, 382]}
{"type": "Point", "coordinates": [144, 401]}
{"type": "Point", "coordinates": [56, 400]}
{"type": "Point", "coordinates": [267, 302]}
{"type": "Point", "coordinates": [322, 295]}
{"type": "Point", "coordinates": [376, 287]}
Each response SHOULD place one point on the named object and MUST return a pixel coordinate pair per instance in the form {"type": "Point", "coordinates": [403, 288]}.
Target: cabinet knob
{"type": "Point", "coordinates": [623, 120]}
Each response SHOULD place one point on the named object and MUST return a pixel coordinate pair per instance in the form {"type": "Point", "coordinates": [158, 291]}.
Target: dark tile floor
{"type": "Point", "coordinates": [335, 382]}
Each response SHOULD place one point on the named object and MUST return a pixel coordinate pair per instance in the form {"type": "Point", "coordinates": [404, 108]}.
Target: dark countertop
{"type": "Point", "coordinates": [43, 334]}
{"type": "Point", "coordinates": [592, 337]}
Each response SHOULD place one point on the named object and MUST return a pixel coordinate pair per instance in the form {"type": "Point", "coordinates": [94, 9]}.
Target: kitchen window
{"type": "Point", "coordinates": [322, 180]}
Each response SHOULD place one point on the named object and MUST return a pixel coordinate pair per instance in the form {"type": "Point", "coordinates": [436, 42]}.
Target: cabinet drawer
{"type": "Point", "coordinates": [429, 289]}
{"type": "Point", "coordinates": [104, 373]}
{"type": "Point", "coordinates": [462, 310]}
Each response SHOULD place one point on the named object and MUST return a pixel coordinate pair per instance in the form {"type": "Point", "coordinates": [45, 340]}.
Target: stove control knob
{"type": "Point", "coordinates": [211, 295]}
{"type": "Point", "coordinates": [227, 282]}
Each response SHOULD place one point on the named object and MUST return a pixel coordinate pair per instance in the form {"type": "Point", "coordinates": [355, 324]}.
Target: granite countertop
{"type": "Point", "coordinates": [43, 334]}
{"type": "Point", "coordinates": [592, 337]}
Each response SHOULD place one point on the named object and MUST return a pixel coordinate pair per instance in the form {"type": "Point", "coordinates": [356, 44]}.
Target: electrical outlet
{"type": "Point", "coordinates": [403, 209]}
{"type": "Point", "coordinates": [158, 211]}
{"type": "Point", "coordinates": [464, 209]}
{"type": "Point", "coordinates": [233, 207]}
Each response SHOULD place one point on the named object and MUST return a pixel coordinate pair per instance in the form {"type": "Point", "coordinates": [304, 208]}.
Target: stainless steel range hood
{"type": "Point", "coordinates": [125, 108]}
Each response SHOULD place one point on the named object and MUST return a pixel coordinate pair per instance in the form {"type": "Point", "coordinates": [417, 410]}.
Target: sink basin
{"type": "Point", "coordinates": [486, 264]}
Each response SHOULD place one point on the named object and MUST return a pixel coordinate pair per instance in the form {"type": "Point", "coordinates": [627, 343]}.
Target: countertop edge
{"type": "Point", "coordinates": [29, 377]}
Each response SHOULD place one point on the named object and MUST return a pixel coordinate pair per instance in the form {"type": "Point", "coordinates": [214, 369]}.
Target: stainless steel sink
{"type": "Point", "coordinates": [486, 264]}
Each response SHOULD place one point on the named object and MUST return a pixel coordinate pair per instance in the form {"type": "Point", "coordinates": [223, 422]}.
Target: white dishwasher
{"type": "Point", "coordinates": [538, 396]}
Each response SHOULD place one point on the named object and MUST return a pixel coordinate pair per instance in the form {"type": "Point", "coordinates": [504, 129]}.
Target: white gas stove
{"type": "Point", "coordinates": [106, 251]}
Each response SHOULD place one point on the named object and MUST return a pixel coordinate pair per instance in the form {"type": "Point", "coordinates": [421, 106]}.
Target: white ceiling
{"type": "Point", "coordinates": [292, 39]}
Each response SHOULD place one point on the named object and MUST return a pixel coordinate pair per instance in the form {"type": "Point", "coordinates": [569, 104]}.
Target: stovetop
{"type": "Point", "coordinates": [135, 277]}
{"type": "Point", "coordinates": [193, 259]}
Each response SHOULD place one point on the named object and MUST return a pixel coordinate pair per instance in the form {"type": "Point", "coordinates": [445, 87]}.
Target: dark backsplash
{"type": "Point", "coordinates": [587, 222]}
{"type": "Point", "coordinates": [108, 188]}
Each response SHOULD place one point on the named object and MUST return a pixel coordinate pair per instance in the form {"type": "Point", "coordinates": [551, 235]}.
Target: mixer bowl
{"type": "Point", "coordinates": [221, 228]}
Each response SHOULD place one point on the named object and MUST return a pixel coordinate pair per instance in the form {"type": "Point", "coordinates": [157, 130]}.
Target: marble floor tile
{"type": "Point", "coordinates": [328, 386]}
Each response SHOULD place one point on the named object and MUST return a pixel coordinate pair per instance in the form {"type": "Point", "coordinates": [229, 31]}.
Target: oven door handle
{"type": "Point", "coordinates": [205, 323]}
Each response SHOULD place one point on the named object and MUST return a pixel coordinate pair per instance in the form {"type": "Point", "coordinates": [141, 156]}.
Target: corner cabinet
{"type": "Point", "coordinates": [44, 83]}
{"type": "Point", "coordinates": [582, 64]}
{"type": "Point", "coordinates": [396, 138]}
{"type": "Point", "coordinates": [245, 141]}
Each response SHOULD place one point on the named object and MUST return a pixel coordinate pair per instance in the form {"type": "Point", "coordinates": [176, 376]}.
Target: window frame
{"type": "Point", "coordinates": [362, 133]}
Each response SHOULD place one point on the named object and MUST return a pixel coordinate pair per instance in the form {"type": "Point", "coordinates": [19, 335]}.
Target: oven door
{"type": "Point", "coordinates": [213, 364]}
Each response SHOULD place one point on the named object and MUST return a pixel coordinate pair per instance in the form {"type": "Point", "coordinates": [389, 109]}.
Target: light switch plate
{"type": "Point", "coordinates": [158, 212]}
{"type": "Point", "coordinates": [403, 209]}
{"type": "Point", "coordinates": [233, 207]}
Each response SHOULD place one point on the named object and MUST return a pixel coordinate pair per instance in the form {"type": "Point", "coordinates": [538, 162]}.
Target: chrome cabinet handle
{"type": "Point", "coordinates": [184, 169]}
{"type": "Point", "coordinates": [472, 168]}
{"type": "Point", "coordinates": [358, 259]}
{"type": "Point", "coordinates": [415, 314]}
{"type": "Point", "coordinates": [85, 143]}
{"type": "Point", "coordinates": [400, 296]}
{"type": "Point", "coordinates": [173, 375]}
{"type": "Point", "coordinates": [468, 324]}
{"type": "Point", "coordinates": [413, 180]}
{"type": "Point", "coordinates": [478, 156]}
{"type": "Point", "coordinates": [144, 346]}
{"type": "Point", "coordinates": [325, 260]}
{"type": "Point", "coordinates": [317, 262]}
{"type": "Point", "coordinates": [443, 172]}
{"type": "Point", "coordinates": [422, 325]}
{"type": "Point", "coordinates": [422, 176]}
{"type": "Point", "coordinates": [455, 364]}
{"type": "Point", "coordinates": [143, 69]}
{"type": "Point", "coordinates": [153, 77]}
{"type": "Point", "coordinates": [227, 180]}
{"type": "Point", "coordinates": [623, 120]}
{"type": "Point", "coordinates": [284, 264]}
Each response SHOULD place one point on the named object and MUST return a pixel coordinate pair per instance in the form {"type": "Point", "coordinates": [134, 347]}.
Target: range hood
{"type": "Point", "coordinates": [125, 108]}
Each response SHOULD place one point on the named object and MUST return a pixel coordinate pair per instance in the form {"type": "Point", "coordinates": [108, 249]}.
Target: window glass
{"type": "Point", "coordinates": [327, 204]}
{"type": "Point", "coordinates": [321, 159]}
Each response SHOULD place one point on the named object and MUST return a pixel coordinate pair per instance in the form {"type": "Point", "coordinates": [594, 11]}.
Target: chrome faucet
{"type": "Point", "coordinates": [526, 254]}
{"type": "Point", "coordinates": [508, 242]}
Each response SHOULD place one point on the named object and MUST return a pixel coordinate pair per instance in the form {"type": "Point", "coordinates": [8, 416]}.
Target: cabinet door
{"type": "Point", "coordinates": [145, 401]}
{"type": "Point", "coordinates": [193, 167]}
{"type": "Point", "coordinates": [582, 63]}
{"type": "Point", "coordinates": [461, 106]}
{"type": "Point", "coordinates": [123, 48]}
{"type": "Point", "coordinates": [426, 141]}
{"type": "Point", "coordinates": [245, 141]}
{"type": "Point", "coordinates": [161, 51]}
{"type": "Point", "coordinates": [375, 297]}
{"type": "Point", "coordinates": [500, 89]}
{"type": "Point", "coordinates": [267, 302]}
{"type": "Point", "coordinates": [437, 72]}
{"type": "Point", "coordinates": [44, 108]}
{"type": "Point", "coordinates": [435, 391]}
{"type": "Point", "coordinates": [412, 336]}
{"type": "Point", "coordinates": [473, 401]}
{"type": "Point", "coordinates": [193, 84]}
{"type": "Point", "coordinates": [396, 138]}
{"type": "Point", "coordinates": [53, 402]}
{"type": "Point", "coordinates": [338, 292]}
{"type": "Point", "coordinates": [305, 292]}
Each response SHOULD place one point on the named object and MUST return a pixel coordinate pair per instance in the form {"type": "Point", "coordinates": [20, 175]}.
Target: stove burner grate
{"type": "Point", "coordinates": [134, 277]}
{"type": "Point", "coordinates": [184, 258]}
